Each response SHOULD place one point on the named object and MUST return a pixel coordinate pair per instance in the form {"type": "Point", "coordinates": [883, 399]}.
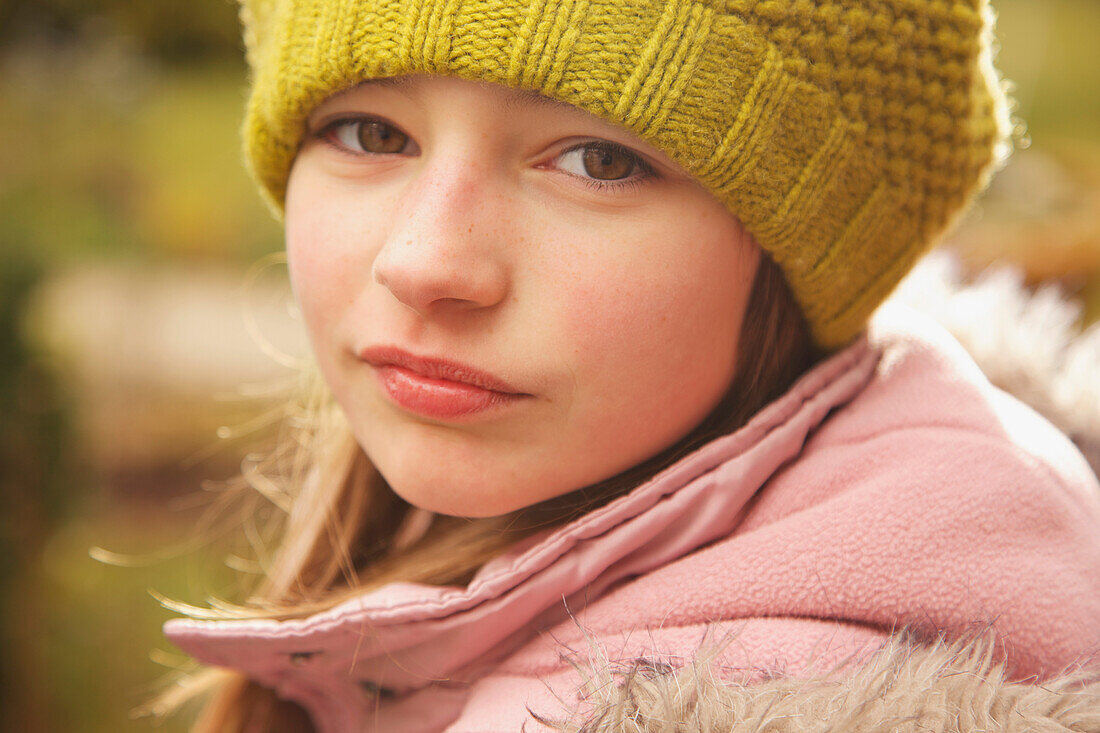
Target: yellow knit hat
{"type": "Point", "coordinates": [846, 135]}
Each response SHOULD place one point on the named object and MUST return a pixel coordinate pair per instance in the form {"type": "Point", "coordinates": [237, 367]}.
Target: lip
{"type": "Point", "coordinates": [437, 388]}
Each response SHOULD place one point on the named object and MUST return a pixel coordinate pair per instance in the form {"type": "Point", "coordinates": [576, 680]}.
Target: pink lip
{"type": "Point", "coordinates": [435, 387]}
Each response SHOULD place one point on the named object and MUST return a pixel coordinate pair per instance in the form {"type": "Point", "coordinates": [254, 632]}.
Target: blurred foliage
{"type": "Point", "coordinates": [120, 120]}
{"type": "Point", "coordinates": [133, 163]}
{"type": "Point", "coordinates": [173, 30]}
{"type": "Point", "coordinates": [36, 468]}
{"type": "Point", "coordinates": [97, 634]}
{"type": "Point", "coordinates": [1049, 53]}
{"type": "Point", "coordinates": [1043, 211]}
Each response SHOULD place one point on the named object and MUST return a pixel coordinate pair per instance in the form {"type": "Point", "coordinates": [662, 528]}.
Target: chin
{"type": "Point", "coordinates": [455, 505]}
{"type": "Point", "coordinates": [475, 500]}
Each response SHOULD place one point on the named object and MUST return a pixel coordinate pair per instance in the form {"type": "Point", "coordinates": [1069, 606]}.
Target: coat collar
{"type": "Point", "coordinates": [404, 636]}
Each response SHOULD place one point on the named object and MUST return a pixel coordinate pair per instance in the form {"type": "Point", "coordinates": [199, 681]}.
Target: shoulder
{"type": "Point", "coordinates": [933, 455]}
{"type": "Point", "coordinates": [931, 406]}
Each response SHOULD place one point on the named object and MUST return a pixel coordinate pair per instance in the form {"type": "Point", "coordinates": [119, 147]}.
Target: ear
{"type": "Point", "coordinates": [256, 16]}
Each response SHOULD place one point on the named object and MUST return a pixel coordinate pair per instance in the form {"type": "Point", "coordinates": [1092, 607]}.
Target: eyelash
{"type": "Point", "coordinates": [643, 170]}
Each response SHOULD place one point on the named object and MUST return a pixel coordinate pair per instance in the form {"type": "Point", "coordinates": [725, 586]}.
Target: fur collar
{"type": "Point", "coordinates": [908, 686]}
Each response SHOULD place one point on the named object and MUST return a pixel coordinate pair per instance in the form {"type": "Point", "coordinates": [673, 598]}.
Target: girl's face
{"type": "Point", "coordinates": [510, 298]}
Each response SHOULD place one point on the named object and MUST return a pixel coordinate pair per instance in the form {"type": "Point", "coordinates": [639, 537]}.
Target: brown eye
{"type": "Point", "coordinates": [605, 166]}
{"type": "Point", "coordinates": [378, 137]}
{"type": "Point", "coordinates": [369, 136]}
{"type": "Point", "coordinates": [607, 163]}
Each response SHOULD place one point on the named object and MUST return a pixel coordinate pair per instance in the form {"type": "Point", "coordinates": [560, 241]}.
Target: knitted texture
{"type": "Point", "coordinates": [846, 135]}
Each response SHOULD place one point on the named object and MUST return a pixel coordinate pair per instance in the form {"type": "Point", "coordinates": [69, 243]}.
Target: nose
{"type": "Point", "coordinates": [448, 252]}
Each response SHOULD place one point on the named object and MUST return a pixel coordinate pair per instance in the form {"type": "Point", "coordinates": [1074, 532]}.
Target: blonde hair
{"type": "Point", "coordinates": [343, 530]}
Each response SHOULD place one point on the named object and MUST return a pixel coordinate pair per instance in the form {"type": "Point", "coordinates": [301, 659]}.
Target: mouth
{"type": "Point", "coordinates": [437, 388]}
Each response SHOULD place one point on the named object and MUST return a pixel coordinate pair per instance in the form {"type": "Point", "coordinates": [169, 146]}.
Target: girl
{"type": "Point", "coordinates": [609, 445]}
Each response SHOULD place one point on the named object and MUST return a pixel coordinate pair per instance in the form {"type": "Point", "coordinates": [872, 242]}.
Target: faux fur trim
{"type": "Point", "coordinates": [905, 687]}
{"type": "Point", "coordinates": [1027, 343]}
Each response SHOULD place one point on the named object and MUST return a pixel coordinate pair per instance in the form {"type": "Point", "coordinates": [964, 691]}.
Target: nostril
{"type": "Point", "coordinates": [443, 272]}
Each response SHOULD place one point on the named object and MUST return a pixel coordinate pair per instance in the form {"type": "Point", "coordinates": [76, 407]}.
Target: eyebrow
{"type": "Point", "coordinates": [514, 99]}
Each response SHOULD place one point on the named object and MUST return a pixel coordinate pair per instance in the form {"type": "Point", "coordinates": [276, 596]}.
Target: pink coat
{"type": "Point", "coordinates": [892, 487]}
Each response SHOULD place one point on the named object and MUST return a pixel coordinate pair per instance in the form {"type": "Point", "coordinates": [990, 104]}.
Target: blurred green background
{"type": "Point", "coordinates": [126, 226]}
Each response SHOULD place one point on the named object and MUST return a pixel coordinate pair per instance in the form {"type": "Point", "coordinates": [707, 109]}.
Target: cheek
{"type": "Point", "coordinates": [318, 282]}
{"type": "Point", "coordinates": [325, 270]}
{"type": "Point", "coordinates": [670, 305]}
{"type": "Point", "coordinates": [649, 321]}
